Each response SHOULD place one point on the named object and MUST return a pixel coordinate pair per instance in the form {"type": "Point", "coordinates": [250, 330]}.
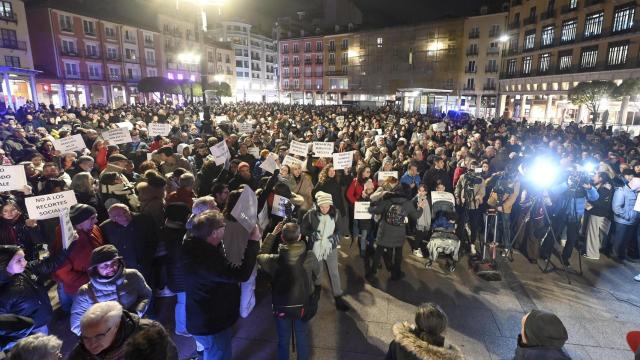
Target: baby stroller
{"type": "Point", "coordinates": [443, 238]}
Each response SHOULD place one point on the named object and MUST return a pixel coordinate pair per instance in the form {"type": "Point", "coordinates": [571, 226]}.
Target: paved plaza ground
{"type": "Point", "coordinates": [598, 309]}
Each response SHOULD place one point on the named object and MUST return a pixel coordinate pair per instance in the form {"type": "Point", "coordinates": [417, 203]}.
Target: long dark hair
{"type": "Point", "coordinates": [431, 322]}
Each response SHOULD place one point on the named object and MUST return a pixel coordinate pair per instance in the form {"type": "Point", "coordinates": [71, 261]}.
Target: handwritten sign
{"type": "Point", "coordinates": [221, 119]}
{"type": "Point", "coordinates": [66, 228]}
{"type": "Point", "coordinates": [220, 152]}
{"type": "Point", "coordinates": [290, 160]}
{"type": "Point", "coordinates": [383, 175]}
{"type": "Point", "coordinates": [49, 206]}
{"type": "Point", "coordinates": [342, 160]}
{"type": "Point", "coordinates": [254, 151]}
{"type": "Point", "coordinates": [245, 128]}
{"type": "Point", "coordinates": [69, 143]}
{"type": "Point", "coordinates": [322, 149]}
{"type": "Point", "coordinates": [246, 209]}
{"type": "Point", "coordinates": [117, 136]}
{"type": "Point", "coordinates": [12, 177]}
{"type": "Point", "coordinates": [437, 196]}
{"type": "Point", "coordinates": [156, 129]}
{"type": "Point", "coordinates": [361, 210]}
{"type": "Point", "coordinates": [298, 148]}
{"type": "Point", "coordinates": [281, 205]}
{"type": "Point", "coordinates": [269, 165]}
{"type": "Point", "coordinates": [125, 125]}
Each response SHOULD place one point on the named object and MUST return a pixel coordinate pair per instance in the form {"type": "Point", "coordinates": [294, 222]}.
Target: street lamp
{"type": "Point", "coordinates": [504, 38]}
{"type": "Point", "coordinates": [190, 58]}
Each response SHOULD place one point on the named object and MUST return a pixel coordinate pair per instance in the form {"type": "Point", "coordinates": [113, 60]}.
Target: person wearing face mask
{"type": "Point", "coordinates": [110, 280]}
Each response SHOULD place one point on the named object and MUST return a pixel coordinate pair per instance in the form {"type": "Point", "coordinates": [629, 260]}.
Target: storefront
{"type": "Point", "coordinates": [431, 101]}
{"type": "Point", "coordinates": [18, 86]}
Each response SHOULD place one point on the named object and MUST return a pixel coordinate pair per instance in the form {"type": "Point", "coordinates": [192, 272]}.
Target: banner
{"type": "Point", "coordinates": [12, 177]}
{"type": "Point", "coordinates": [117, 136]}
{"type": "Point", "coordinates": [69, 144]}
{"type": "Point", "coordinates": [342, 160]}
{"type": "Point", "coordinates": [66, 228]}
{"type": "Point", "coordinates": [246, 209]}
{"type": "Point", "coordinates": [220, 152]}
{"type": "Point", "coordinates": [49, 206]}
{"type": "Point", "coordinates": [322, 149]}
{"type": "Point", "coordinates": [361, 210]}
{"type": "Point", "coordinates": [281, 206]}
{"type": "Point", "coordinates": [156, 129]}
{"type": "Point", "coordinates": [290, 160]}
{"type": "Point", "coordinates": [298, 148]}
{"type": "Point", "coordinates": [269, 165]}
{"type": "Point", "coordinates": [382, 175]}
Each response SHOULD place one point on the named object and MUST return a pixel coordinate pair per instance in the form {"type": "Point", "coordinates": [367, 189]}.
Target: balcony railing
{"type": "Point", "coordinates": [510, 51]}
{"type": "Point", "coordinates": [130, 40]}
{"type": "Point", "coordinates": [470, 70]}
{"type": "Point", "coordinates": [8, 16]}
{"type": "Point", "coordinates": [474, 34]}
{"type": "Point", "coordinates": [319, 62]}
{"type": "Point", "coordinates": [132, 60]}
{"type": "Point", "coordinates": [113, 77]}
{"type": "Point", "coordinates": [553, 70]}
{"type": "Point", "coordinates": [472, 52]}
{"type": "Point", "coordinates": [110, 36]}
{"type": "Point", "coordinates": [491, 69]}
{"type": "Point", "coordinates": [336, 73]}
{"type": "Point", "coordinates": [530, 20]}
{"type": "Point", "coordinates": [93, 55]}
{"type": "Point", "coordinates": [494, 33]}
{"type": "Point", "coordinates": [296, 50]}
{"type": "Point", "coordinates": [296, 63]}
{"type": "Point", "coordinates": [296, 76]}
{"type": "Point", "coordinates": [149, 44]}
{"type": "Point", "coordinates": [549, 14]}
{"type": "Point", "coordinates": [493, 51]}
{"type": "Point", "coordinates": [14, 44]}
{"type": "Point", "coordinates": [114, 58]}
{"type": "Point", "coordinates": [514, 25]}
{"type": "Point", "coordinates": [489, 87]}
{"type": "Point", "coordinates": [332, 49]}
{"type": "Point", "coordinates": [75, 52]}
{"type": "Point", "coordinates": [66, 28]}
{"type": "Point", "coordinates": [307, 49]}
{"type": "Point", "coordinates": [308, 62]}
{"type": "Point", "coordinates": [469, 88]}
{"type": "Point", "coordinates": [133, 77]}
{"type": "Point", "coordinates": [285, 51]}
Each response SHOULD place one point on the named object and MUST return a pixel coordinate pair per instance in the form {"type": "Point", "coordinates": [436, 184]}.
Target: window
{"type": "Point", "coordinates": [617, 54]}
{"type": "Point", "coordinates": [546, 37]}
{"type": "Point", "coordinates": [89, 27]}
{"type": "Point", "coordinates": [307, 47]}
{"type": "Point", "coordinates": [295, 47]}
{"type": "Point", "coordinates": [65, 23]}
{"type": "Point", "coordinates": [318, 46]}
{"type": "Point", "coordinates": [239, 63]}
{"type": "Point", "coordinates": [296, 83]}
{"type": "Point", "coordinates": [112, 53]}
{"type": "Point", "coordinates": [332, 59]}
{"type": "Point", "coordinates": [94, 71]}
{"type": "Point", "coordinates": [569, 30]}
{"type": "Point", "coordinates": [152, 72]}
{"type": "Point", "coordinates": [593, 24]}
{"type": "Point", "coordinates": [69, 47]}
{"type": "Point", "coordinates": [332, 45]}
{"type": "Point", "coordinates": [530, 40]}
{"type": "Point", "coordinates": [12, 61]}
{"type": "Point", "coordinates": [285, 84]}
{"type": "Point", "coordinates": [318, 84]}
{"type": "Point", "coordinates": [285, 49]}
{"type": "Point", "coordinates": [472, 66]}
{"type": "Point", "coordinates": [512, 66]}
{"type": "Point", "coordinates": [6, 9]}
{"type": "Point", "coordinates": [338, 83]}
{"type": "Point", "coordinates": [92, 50]}
{"type": "Point", "coordinates": [573, 4]}
{"type": "Point", "coordinates": [110, 32]}
{"type": "Point", "coordinates": [296, 72]}
{"type": "Point", "coordinates": [71, 69]}
{"type": "Point", "coordinates": [130, 54]}
{"type": "Point", "coordinates": [285, 72]}
{"type": "Point", "coordinates": [379, 42]}
{"type": "Point", "coordinates": [150, 57]}
{"type": "Point", "coordinates": [227, 59]}
{"type": "Point", "coordinates": [588, 57]}
{"type": "Point", "coordinates": [470, 84]}
{"type": "Point", "coordinates": [345, 44]}
{"type": "Point", "coordinates": [345, 58]}
{"type": "Point", "coordinates": [526, 65]}
{"type": "Point", "coordinates": [9, 38]}
{"type": "Point", "coordinates": [545, 61]}
{"type": "Point", "coordinates": [492, 65]}
{"type": "Point", "coordinates": [565, 61]}
{"type": "Point", "coordinates": [623, 18]}
{"type": "Point", "coordinates": [495, 30]}
{"type": "Point", "coordinates": [148, 39]}
{"type": "Point", "coordinates": [114, 73]}
{"type": "Point", "coordinates": [129, 36]}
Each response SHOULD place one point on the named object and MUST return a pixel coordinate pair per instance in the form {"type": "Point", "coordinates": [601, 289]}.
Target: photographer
{"type": "Point", "coordinates": [469, 194]}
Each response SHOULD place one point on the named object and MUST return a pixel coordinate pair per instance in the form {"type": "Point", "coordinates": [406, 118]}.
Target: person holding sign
{"type": "Point", "coordinates": [16, 229]}
{"type": "Point", "coordinates": [359, 190]}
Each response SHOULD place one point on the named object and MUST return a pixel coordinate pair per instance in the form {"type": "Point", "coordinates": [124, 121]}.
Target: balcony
{"type": "Point", "coordinates": [76, 75]}
{"type": "Point", "coordinates": [8, 16]}
{"type": "Point", "coordinates": [493, 51]}
{"type": "Point", "coordinates": [549, 14]}
{"type": "Point", "coordinates": [332, 62]}
{"type": "Point", "coordinates": [66, 28]}
{"type": "Point", "coordinates": [470, 70]}
{"type": "Point", "coordinates": [133, 60]}
{"type": "Point", "coordinates": [111, 37]}
{"type": "Point", "coordinates": [490, 69]}
{"type": "Point", "coordinates": [114, 58]}
{"type": "Point", "coordinates": [284, 51]}
{"type": "Point", "coordinates": [296, 63]}
{"type": "Point", "coordinates": [344, 48]}
{"type": "Point", "coordinates": [149, 44]}
{"type": "Point", "coordinates": [469, 88]}
{"type": "Point", "coordinates": [285, 63]}
{"type": "Point", "coordinates": [474, 34]}
{"type": "Point", "coordinates": [319, 62]}
{"type": "Point", "coordinates": [133, 77]}
{"type": "Point", "coordinates": [307, 50]}
{"type": "Point", "coordinates": [553, 70]}
{"type": "Point", "coordinates": [494, 33]}
{"type": "Point", "coordinates": [551, 43]}
{"type": "Point", "coordinates": [70, 52]}
{"type": "Point", "coordinates": [150, 62]}
{"type": "Point", "coordinates": [513, 25]}
{"type": "Point", "coordinates": [565, 9]}
{"type": "Point", "coordinates": [528, 49]}
{"type": "Point", "coordinates": [489, 87]}
{"type": "Point", "coordinates": [296, 50]}
{"type": "Point", "coordinates": [115, 77]}
{"type": "Point", "coordinates": [90, 33]}
{"type": "Point", "coordinates": [96, 77]}
{"type": "Point", "coordinates": [13, 44]}
{"type": "Point", "coordinates": [336, 73]}
{"type": "Point", "coordinates": [255, 57]}
{"type": "Point", "coordinates": [332, 49]}
{"type": "Point", "coordinates": [531, 20]}
{"type": "Point", "coordinates": [308, 62]}
{"type": "Point", "coordinates": [130, 40]}
{"type": "Point", "coordinates": [472, 52]}
{"type": "Point", "coordinates": [92, 55]}
{"type": "Point", "coordinates": [510, 51]}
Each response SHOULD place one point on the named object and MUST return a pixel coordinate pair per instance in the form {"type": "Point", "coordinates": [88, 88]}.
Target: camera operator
{"type": "Point", "coordinates": [469, 195]}
{"type": "Point", "coordinates": [505, 188]}
{"type": "Point", "coordinates": [599, 211]}
{"type": "Point", "coordinates": [568, 204]}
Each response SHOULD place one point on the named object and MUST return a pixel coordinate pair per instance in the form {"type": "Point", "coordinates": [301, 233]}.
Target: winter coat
{"type": "Point", "coordinates": [238, 181]}
{"type": "Point", "coordinates": [310, 223]}
{"type": "Point", "coordinates": [152, 202]}
{"type": "Point", "coordinates": [432, 176]}
{"type": "Point", "coordinates": [172, 234]}
{"type": "Point", "coordinates": [73, 272]}
{"type": "Point", "coordinates": [390, 235]}
{"type": "Point", "coordinates": [18, 233]}
{"type": "Point", "coordinates": [622, 205]}
{"type": "Point", "coordinates": [127, 287]}
{"type": "Point", "coordinates": [180, 162]}
{"type": "Point", "coordinates": [331, 186]}
{"type": "Point", "coordinates": [573, 204]}
{"type": "Point", "coordinates": [524, 352]}
{"type": "Point", "coordinates": [406, 345]}
{"type": "Point", "coordinates": [25, 294]}
{"type": "Point", "coordinates": [354, 191]}
{"type": "Point", "coordinates": [304, 187]}
{"type": "Point", "coordinates": [212, 285]}
{"type": "Point", "coordinates": [478, 193]}
{"type": "Point", "coordinates": [130, 324]}
{"type": "Point", "coordinates": [181, 195]}
{"type": "Point", "coordinates": [602, 206]}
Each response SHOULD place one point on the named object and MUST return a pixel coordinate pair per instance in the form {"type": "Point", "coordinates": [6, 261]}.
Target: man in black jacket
{"type": "Point", "coordinates": [600, 214]}
{"type": "Point", "coordinates": [212, 284]}
{"type": "Point", "coordinates": [438, 172]}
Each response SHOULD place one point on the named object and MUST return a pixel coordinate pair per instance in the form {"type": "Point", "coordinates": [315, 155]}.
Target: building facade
{"type": "Point", "coordinates": [301, 70]}
{"type": "Point", "coordinates": [336, 67]}
{"type": "Point", "coordinates": [182, 47]}
{"type": "Point", "coordinates": [555, 45]}
{"type": "Point", "coordinates": [220, 63]}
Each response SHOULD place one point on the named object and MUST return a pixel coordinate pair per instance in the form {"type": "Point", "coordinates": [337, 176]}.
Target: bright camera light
{"type": "Point", "coordinates": [542, 172]}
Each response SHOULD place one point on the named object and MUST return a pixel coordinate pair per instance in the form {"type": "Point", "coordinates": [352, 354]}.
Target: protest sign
{"type": "Point", "coordinates": [220, 152]}
{"type": "Point", "coordinates": [391, 117]}
{"type": "Point", "coordinates": [201, 115]}
{"type": "Point", "coordinates": [378, 137]}
{"type": "Point", "coordinates": [69, 143]}
{"type": "Point", "coordinates": [125, 125]}
{"type": "Point", "coordinates": [281, 206]}
{"type": "Point", "coordinates": [221, 119]}
{"type": "Point", "coordinates": [67, 230]}
{"type": "Point", "coordinates": [117, 136]}
{"type": "Point", "coordinates": [342, 160]}
{"type": "Point", "coordinates": [149, 156]}
{"type": "Point", "coordinates": [49, 206]}
{"type": "Point", "coordinates": [269, 165]}
{"type": "Point", "coordinates": [246, 209]}
{"type": "Point", "coordinates": [290, 160]}
{"type": "Point", "coordinates": [383, 175]}
{"type": "Point", "coordinates": [263, 218]}
{"type": "Point", "coordinates": [245, 128]}
{"type": "Point", "coordinates": [322, 149]}
{"type": "Point", "coordinates": [156, 129]}
{"type": "Point", "coordinates": [12, 177]}
{"type": "Point", "coordinates": [298, 148]}
{"type": "Point", "coordinates": [345, 109]}
{"type": "Point", "coordinates": [254, 151]}
{"type": "Point", "coordinates": [441, 126]}
{"type": "Point", "coordinates": [441, 196]}
{"type": "Point", "coordinates": [379, 131]}
{"type": "Point", "coordinates": [361, 210]}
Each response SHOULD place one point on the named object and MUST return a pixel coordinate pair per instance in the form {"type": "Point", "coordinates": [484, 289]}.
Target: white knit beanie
{"type": "Point", "coordinates": [322, 198]}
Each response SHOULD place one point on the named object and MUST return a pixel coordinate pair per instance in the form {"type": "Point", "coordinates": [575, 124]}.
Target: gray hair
{"type": "Point", "coordinates": [203, 204]}
{"type": "Point", "coordinates": [36, 347]}
{"type": "Point", "coordinates": [108, 311]}
{"type": "Point", "coordinates": [82, 182]}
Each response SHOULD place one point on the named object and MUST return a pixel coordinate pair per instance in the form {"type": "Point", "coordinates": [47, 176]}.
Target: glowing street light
{"type": "Point", "coordinates": [504, 38]}
{"type": "Point", "coordinates": [189, 58]}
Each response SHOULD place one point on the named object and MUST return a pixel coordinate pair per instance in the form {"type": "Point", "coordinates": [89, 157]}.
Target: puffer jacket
{"type": "Point", "coordinates": [18, 233]}
{"type": "Point", "coordinates": [406, 345]}
{"type": "Point", "coordinates": [126, 287]}
{"type": "Point", "coordinates": [310, 223]}
{"type": "Point", "coordinates": [390, 235]}
{"type": "Point", "coordinates": [622, 204]}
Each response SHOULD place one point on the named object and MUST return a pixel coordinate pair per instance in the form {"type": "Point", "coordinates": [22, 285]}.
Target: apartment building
{"type": "Point", "coordinates": [220, 63]}
{"type": "Point", "coordinates": [182, 46]}
{"type": "Point", "coordinates": [336, 67]}
{"type": "Point", "coordinates": [301, 70]}
{"type": "Point", "coordinates": [554, 45]}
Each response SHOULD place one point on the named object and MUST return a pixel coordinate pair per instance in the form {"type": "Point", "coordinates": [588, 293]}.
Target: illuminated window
{"type": "Point", "coordinates": [593, 24]}
{"type": "Point", "coordinates": [617, 53]}
{"type": "Point", "coordinates": [379, 42]}
{"type": "Point", "coordinates": [623, 18]}
{"type": "Point", "coordinates": [588, 58]}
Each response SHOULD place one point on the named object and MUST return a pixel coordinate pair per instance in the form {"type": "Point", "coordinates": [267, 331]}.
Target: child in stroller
{"type": "Point", "coordinates": [443, 238]}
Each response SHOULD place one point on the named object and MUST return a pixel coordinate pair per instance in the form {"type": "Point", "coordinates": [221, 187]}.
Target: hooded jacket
{"type": "Point", "coordinates": [524, 352]}
{"type": "Point", "coordinates": [390, 235]}
{"type": "Point", "coordinates": [406, 345]}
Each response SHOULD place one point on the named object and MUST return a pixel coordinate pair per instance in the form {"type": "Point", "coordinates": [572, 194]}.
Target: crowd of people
{"type": "Point", "coordinates": [227, 194]}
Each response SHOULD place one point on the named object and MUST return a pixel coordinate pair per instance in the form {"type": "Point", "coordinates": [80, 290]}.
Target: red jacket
{"type": "Point", "coordinates": [457, 173]}
{"type": "Point", "coordinates": [181, 195]}
{"type": "Point", "coordinates": [73, 273]}
{"type": "Point", "coordinates": [354, 191]}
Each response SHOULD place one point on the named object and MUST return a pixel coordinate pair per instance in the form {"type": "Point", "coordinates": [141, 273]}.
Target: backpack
{"type": "Point", "coordinates": [290, 289]}
{"type": "Point", "coordinates": [395, 215]}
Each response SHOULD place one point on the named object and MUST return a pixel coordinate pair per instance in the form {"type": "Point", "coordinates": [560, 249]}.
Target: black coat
{"type": "Point", "coordinates": [212, 285]}
{"type": "Point", "coordinates": [333, 187]}
{"type": "Point", "coordinates": [172, 235]}
{"type": "Point", "coordinates": [432, 176]}
{"type": "Point", "coordinates": [524, 352]}
{"type": "Point", "coordinates": [602, 206]}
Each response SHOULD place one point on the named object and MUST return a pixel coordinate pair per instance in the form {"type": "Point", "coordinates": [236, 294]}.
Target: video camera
{"type": "Point", "coordinates": [581, 175]}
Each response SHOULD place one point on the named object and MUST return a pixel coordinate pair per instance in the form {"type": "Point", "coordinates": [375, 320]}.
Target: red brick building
{"type": "Point", "coordinates": [301, 70]}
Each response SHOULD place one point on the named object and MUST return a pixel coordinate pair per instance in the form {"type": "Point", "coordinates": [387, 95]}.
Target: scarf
{"type": "Point", "coordinates": [323, 247]}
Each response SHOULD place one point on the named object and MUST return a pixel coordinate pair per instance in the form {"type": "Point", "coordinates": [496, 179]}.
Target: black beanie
{"type": "Point", "coordinates": [81, 212]}
{"type": "Point", "coordinates": [6, 254]}
{"type": "Point", "coordinates": [102, 254]}
{"type": "Point", "coordinates": [544, 329]}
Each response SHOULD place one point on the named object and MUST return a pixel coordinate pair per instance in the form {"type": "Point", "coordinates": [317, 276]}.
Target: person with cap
{"type": "Point", "coordinates": [84, 163]}
{"type": "Point", "coordinates": [625, 218]}
{"type": "Point", "coordinates": [151, 191]}
{"type": "Point", "coordinates": [541, 337]}
{"type": "Point", "coordinates": [116, 163]}
{"type": "Point", "coordinates": [110, 280]}
{"type": "Point", "coordinates": [73, 272]}
{"type": "Point", "coordinates": [320, 227]}
{"type": "Point", "coordinates": [51, 171]}
{"type": "Point", "coordinates": [243, 177]}
{"type": "Point", "coordinates": [22, 286]}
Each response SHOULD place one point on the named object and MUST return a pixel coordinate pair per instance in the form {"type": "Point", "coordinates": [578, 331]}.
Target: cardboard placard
{"type": "Point", "coordinates": [49, 206]}
{"type": "Point", "coordinates": [220, 152]}
{"type": "Point", "coordinates": [280, 204]}
{"type": "Point", "coordinates": [254, 151]}
{"type": "Point", "coordinates": [246, 209]}
{"type": "Point", "coordinates": [66, 228]}
{"type": "Point", "coordinates": [298, 148]}
{"type": "Point", "coordinates": [12, 177]}
{"type": "Point", "coordinates": [125, 125]}
{"type": "Point", "coordinates": [383, 175]}
{"type": "Point", "coordinates": [322, 149]}
{"type": "Point", "coordinates": [117, 136]}
{"type": "Point", "coordinates": [290, 160]}
{"type": "Point", "coordinates": [245, 128]}
{"type": "Point", "coordinates": [221, 119]}
{"type": "Point", "coordinates": [156, 129]}
{"type": "Point", "coordinates": [342, 160]}
{"type": "Point", "coordinates": [69, 144]}
{"type": "Point", "coordinates": [269, 165]}
{"type": "Point", "coordinates": [361, 210]}
{"type": "Point", "coordinates": [437, 196]}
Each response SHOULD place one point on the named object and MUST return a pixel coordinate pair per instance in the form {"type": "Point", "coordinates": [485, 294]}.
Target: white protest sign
{"type": "Point", "coordinates": [342, 160]}
{"type": "Point", "coordinates": [280, 204]}
{"type": "Point", "coordinates": [340, 120]}
{"type": "Point", "coordinates": [269, 165]}
{"type": "Point", "coordinates": [378, 137]}
{"type": "Point", "coordinates": [379, 131]}
{"type": "Point", "coordinates": [201, 115]}
{"type": "Point", "coordinates": [12, 177]}
{"type": "Point", "coordinates": [254, 151]}
{"type": "Point", "coordinates": [636, 207]}
{"type": "Point", "coordinates": [344, 109]}
{"type": "Point", "coordinates": [322, 149]}
{"type": "Point", "coordinates": [48, 206]}
{"type": "Point", "coordinates": [391, 117]}
{"type": "Point", "coordinates": [222, 119]}
{"type": "Point", "coordinates": [69, 143]}
{"type": "Point", "coordinates": [125, 125]}
{"type": "Point", "coordinates": [66, 228]}
{"type": "Point", "coordinates": [290, 160]}
{"type": "Point", "coordinates": [383, 175]}
{"type": "Point", "coordinates": [117, 136]}
{"type": "Point", "coordinates": [156, 129]}
{"type": "Point", "coordinates": [245, 128]}
{"type": "Point", "coordinates": [298, 148]}
{"type": "Point", "coordinates": [361, 210]}
{"type": "Point", "coordinates": [442, 196]}
{"type": "Point", "coordinates": [220, 152]}
{"type": "Point", "coordinates": [441, 126]}
{"type": "Point", "coordinates": [246, 209]}
{"type": "Point", "coordinates": [263, 217]}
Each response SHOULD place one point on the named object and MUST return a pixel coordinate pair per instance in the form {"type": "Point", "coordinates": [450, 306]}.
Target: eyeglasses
{"type": "Point", "coordinates": [98, 337]}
